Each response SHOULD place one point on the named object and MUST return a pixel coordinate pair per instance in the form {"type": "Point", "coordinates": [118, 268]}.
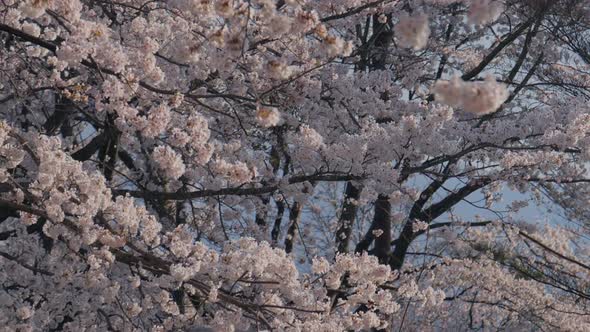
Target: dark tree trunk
{"type": "Point", "coordinates": [347, 217]}
{"type": "Point", "coordinates": [382, 222]}
{"type": "Point", "coordinates": [294, 216]}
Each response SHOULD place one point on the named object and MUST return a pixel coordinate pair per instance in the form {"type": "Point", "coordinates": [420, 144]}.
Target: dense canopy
{"type": "Point", "coordinates": [294, 165]}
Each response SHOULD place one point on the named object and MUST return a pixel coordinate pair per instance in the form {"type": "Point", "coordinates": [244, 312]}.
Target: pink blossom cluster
{"type": "Point", "coordinates": [297, 165]}
{"type": "Point", "coordinates": [478, 98]}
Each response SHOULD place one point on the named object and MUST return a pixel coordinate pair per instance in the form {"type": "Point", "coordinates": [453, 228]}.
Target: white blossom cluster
{"type": "Point", "coordinates": [478, 98]}
{"type": "Point", "coordinates": [168, 161]}
{"type": "Point", "coordinates": [482, 12]}
{"type": "Point", "coordinates": [233, 165]}
{"type": "Point", "coordinates": [412, 31]}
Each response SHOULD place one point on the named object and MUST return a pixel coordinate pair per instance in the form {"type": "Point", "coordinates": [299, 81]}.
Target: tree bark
{"type": "Point", "coordinates": [347, 217]}
{"type": "Point", "coordinates": [294, 217]}
{"type": "Point", "coordinates": [382, 222]}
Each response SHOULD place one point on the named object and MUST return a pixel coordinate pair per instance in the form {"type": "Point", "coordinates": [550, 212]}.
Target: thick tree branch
{"type": "Point", "coordinates": [492, 55]}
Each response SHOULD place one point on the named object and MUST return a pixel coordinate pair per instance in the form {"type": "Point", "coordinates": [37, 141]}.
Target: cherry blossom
{"type": "Point", "coordinates": [413, 31]}
{"type": "Point", "coordinates": [306, 165]}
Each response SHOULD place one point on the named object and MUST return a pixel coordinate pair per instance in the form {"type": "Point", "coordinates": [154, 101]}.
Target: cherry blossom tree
{"type": "Point", "coordinates": [294, 165]}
